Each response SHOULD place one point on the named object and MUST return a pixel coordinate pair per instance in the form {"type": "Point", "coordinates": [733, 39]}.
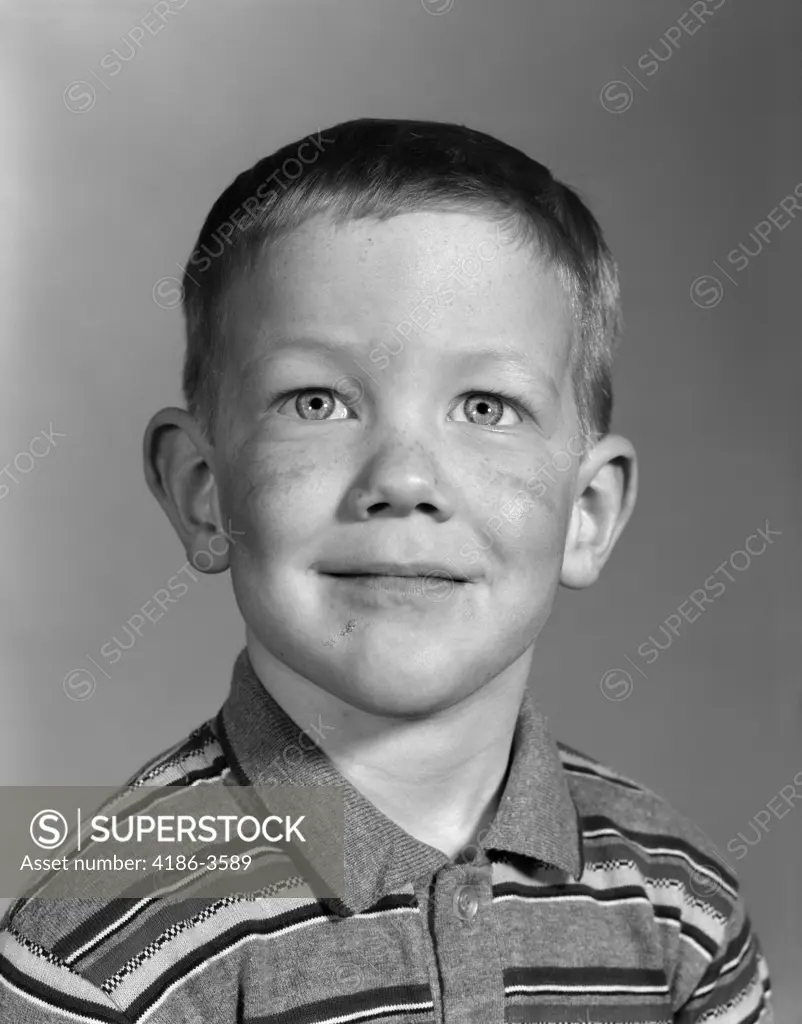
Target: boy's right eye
{"type": "Point", "coordinates": [313, 404]}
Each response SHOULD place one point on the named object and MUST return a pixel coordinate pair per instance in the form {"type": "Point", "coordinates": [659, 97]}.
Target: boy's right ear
{"type": "Point", "coordinates": [179, 469]}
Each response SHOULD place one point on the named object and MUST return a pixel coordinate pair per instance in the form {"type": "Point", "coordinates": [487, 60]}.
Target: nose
{"type": "Point", "coordinates": [401, 478]}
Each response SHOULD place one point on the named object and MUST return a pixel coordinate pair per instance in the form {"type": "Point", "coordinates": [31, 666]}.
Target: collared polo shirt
{"type": "Point", "coordinates": [588, 899]}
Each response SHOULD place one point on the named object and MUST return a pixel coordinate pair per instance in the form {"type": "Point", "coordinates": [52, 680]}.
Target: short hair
{"type": "Point", "coordinates": [380, 168]}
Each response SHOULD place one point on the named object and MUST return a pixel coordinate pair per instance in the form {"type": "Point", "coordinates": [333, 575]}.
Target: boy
{"type": "Point", "coordinates": [398, 441]}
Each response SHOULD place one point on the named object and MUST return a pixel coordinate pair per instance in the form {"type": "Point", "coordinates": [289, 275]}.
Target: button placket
{"type": "Point", "coordinates": [468, 965]}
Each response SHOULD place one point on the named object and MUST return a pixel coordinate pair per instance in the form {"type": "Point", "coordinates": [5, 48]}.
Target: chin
{"type": "Point", "coordinates": [405, 684]}
{"type": "Point", "coordinates": [397, 696]}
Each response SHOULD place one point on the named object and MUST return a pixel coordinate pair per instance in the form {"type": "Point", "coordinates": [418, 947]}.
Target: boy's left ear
{"type": "Point", "coordinates": [606, 490]}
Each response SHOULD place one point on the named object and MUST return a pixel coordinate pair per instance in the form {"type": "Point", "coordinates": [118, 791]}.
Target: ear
{"type": "Point", "coordinates": [179, 469]}
{"type": "Point", "coordinates": [606, 490]}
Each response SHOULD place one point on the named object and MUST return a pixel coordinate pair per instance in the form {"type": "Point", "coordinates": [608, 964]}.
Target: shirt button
{"type": "Point", "coordinates": [466, 902]}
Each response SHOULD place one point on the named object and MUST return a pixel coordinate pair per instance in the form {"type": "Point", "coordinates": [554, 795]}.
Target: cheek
{"type": "Point", "coordinates": [523, 515]}
{"type": "Point", "coordinates": [280, 501]}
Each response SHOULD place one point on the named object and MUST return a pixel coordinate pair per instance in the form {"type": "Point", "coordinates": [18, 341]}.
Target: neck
{"type": "Point", "coordinates": [439, 778]}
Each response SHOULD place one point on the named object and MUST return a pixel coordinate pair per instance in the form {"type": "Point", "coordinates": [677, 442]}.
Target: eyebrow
{"type": "Point", "coordinates": [502, 357]}
{"type": "Point", "coordinates": [521, 363]}
{"type": "Point", "coordinates": [293, 344]}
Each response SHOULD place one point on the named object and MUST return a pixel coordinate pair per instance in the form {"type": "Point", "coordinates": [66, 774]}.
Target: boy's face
{"type": "Point", "coordinates": [406, 467]}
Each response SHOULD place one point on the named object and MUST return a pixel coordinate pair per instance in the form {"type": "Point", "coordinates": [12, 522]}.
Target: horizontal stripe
{"type": "Point", "coordinates": [192, 744]}
{"type": "Point", "coordinates": [199, 954]}
{"type": "Point", "coordinates": [161, 945]}
{"type": "Point", "coordinates": [100, 926]}
{"type": "Point", "coordinates": [197, 742]}
{"type": "Point", "coordinates": [729, 987]}
{"type": "Point", "coordinates": [372, 1004]}
{"type": "Point", "coordinates": [560, 1013]}
{"type": "Point", "coordinates": [32, 990]}
{"type": "Point", "coordinates": [207, 940]}
{"type": "Point", "coordinates": [146, 803]}
{"type": "Point", "coordinates": [744, 990]}
{"type": "Point", "coordinates": [730, 958]}
{"type": "Point", "coordinates": [576, 898]}
{"type": "Point", "coordinates": [661, 845]}
{"type": "Point", "coordinates": [659, 863]}
{"type": "Point", "coordinates": [612, 980]}
{"type": "Point", "coordinates": [744, 1008]}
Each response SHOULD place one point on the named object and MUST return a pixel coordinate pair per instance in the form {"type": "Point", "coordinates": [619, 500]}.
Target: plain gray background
{"type": "Point", "coordinates": [102, 195]}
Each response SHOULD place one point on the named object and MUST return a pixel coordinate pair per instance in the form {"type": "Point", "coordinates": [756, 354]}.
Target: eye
{"type": "Point", "coordinates": [315, 404]}
{"type": "Point", "coordinates": [486, 408]}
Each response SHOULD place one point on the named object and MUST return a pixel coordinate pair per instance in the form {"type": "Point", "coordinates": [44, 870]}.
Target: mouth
{"type": "Point", "coordinates": [369, 570]}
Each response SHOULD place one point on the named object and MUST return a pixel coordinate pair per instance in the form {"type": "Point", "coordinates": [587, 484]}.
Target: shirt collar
{"type": "Point", "coordinates": [536, 817]}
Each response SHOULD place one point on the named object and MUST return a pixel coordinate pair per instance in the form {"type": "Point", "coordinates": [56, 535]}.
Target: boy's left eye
{"type": "Point", "coordinates": [486, 409]}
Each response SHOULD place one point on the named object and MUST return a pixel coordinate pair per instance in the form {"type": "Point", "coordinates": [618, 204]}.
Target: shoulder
{"type": "Point", "coordinates": [88, 954]}
{"type": "Point", "coordinates": [198, 757]}
{"type": "Point", "coordinates": [617, 811]}
{"type": "Point", "coordinates": [48, 942]}
{"type": "Point", "coordinates": [68, 934]}
{"type": "Point", "coordinates": [637, 847]}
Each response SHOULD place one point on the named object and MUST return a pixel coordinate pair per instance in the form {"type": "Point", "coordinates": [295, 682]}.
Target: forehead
{"type": "Point", "coordinates": [454, 286]}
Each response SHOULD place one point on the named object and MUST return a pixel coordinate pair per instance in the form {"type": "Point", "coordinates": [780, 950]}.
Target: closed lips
{"type": "Point", "coordinates": [391, 569]}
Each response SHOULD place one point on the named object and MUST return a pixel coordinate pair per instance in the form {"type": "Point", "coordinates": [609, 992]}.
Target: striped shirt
{"type": "Point", "coordinates": [588, 900]}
